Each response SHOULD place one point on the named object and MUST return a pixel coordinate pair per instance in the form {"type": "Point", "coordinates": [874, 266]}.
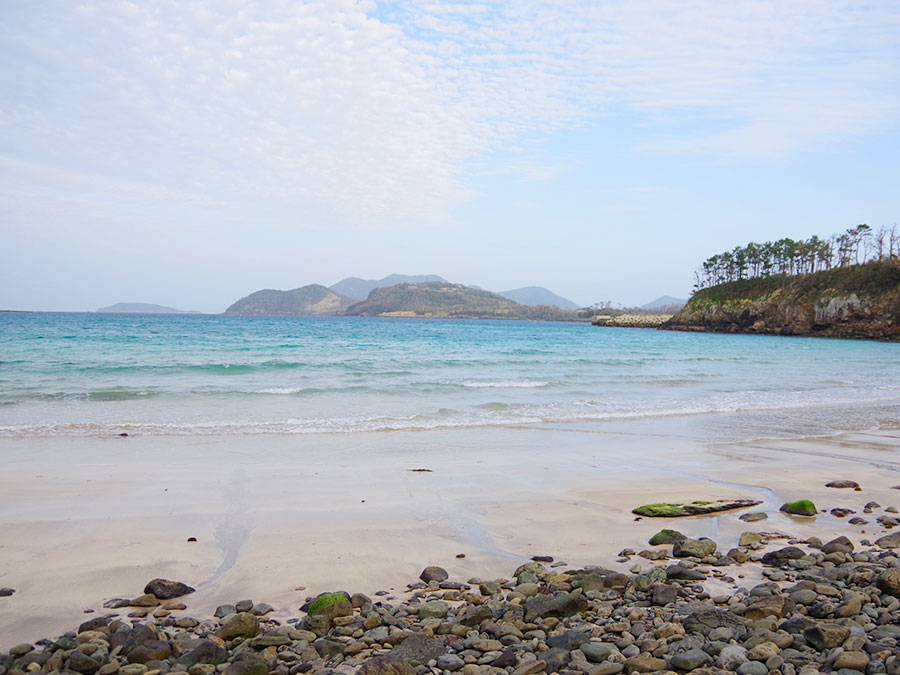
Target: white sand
{"type": "Point", "coordinates": [87, 519]}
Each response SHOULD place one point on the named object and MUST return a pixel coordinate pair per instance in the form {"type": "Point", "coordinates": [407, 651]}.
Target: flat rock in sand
{"type": "Point", "coordinates": [695, 508]}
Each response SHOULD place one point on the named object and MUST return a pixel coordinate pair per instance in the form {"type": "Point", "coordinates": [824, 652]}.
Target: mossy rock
{"type": "Point", "coordinates": [666, 536]}
{"type": "Point", "coordinates": [695, 508]}
{"type": "Point", "coordinates": [330, 605]}
{"type": "Point", "coordinates": [802, 507]}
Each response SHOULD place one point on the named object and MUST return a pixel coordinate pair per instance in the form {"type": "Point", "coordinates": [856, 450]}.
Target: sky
{"type": "Point", "coordinates": [190, 153]}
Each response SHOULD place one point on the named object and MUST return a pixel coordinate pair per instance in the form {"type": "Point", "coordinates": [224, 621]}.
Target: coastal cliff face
{"type": "Point", "coordinates": [862, 301]}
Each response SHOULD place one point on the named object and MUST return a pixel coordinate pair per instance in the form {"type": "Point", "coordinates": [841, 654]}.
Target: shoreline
{"type": "Point", "coordinates": [326, 512]}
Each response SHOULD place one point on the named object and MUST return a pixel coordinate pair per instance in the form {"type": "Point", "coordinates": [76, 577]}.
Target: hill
{"type": "Point", "coordinates": [665, 302]}
{"type": "Point", "coordinates": [313, 299]}
{"type": "Point", "coordinates": [538, 295]}
{"type": "Point", "coordinates": [359, 289]}
{"type": "Point", "coordinates": [141, 308]}
{"type": "Point", "coordinates": [855, 301]}
{"type": "Point", "coordinates": [440, 299]}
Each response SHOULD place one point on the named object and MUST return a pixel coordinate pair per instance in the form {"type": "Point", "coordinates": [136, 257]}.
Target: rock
{"type": "Point", "coordinates": [698, 548]}
{"type": "Point", "coordinates": [763, 651]}
{"type": "Point", "coordinates": [152, 650]}
{"type": "Point", "coordinates": [82, 663]}
{"type": "Point", "coordinates": [782, 555]}
{"type": "Point", "coordinates": [754, 516]}
{"type": "Point", "coordinates": [644, 663]}
{"type": "Point", "coordinates": [97, 623]}
{"type": "Point", "coordinates": [430, 574]}
{"type": "Point", "coordinates": [705, 620]}
{"type": "Point", "coordinates": [752, 668]}
{"type": "Point", "coordinates": [330, 605]}
{"type": "Point", "coordinates": [839, 512]}
{"type": "Point", "coordinates": [532, 667]}
{"type": "Point", "coordinates": [385, 666]}
{"type": "Point", "coordinates": [889, 582]}
{"type": "Point", "coordinates": [242, 624]}
{"type": "Point", "coordinates": [561, 605]}
{"type": "Point", "coordinates": [838, 545]}
{"type": "Point", "coordinates": [889, 541]}
{"type": "Point", "coordinates": [802, 507]}
{"type": "Point", "coordinates": [842, 484]}
{"type": "Point", "coordinates": [597, 652]}
{"type": "Point", "coordinates": [696, 508]}
{"type": "Point", "coordinates": [750, 539]}
{"type": "Point", "coordinates": [666, 536]}
{"type": "Point", "coordinates": [6, 592]}
{"type": "Point", "coordinates": [205, 652]}
{"type": "Point", "coordinates": [664, 594]}
{"type": "Point", "coordinates": [450, 662]}
{"type": "Point", "coordinates": [434, 609]}
{"type": "Point", "coordinates": [419, 647]}
{"type": "Point", "coordinates": [166, 590]}
{"type": "Point", "coordinates": [693, 658]}
{"type": "Point", "coordinates": [247, 666]}
{"type": "Point", "coordinates": [773, 605]}
{"type": "Point", "coordinates": [824, 636]}
{"type": "Point", "coordinates": [852, 660]}
{"type": "Point", "coordinates": [571, 639]}
{"type": "Point", "coordinates": [731, 657]}
{"type": "Point", "coordinates": [145, 600]}
{"type": "Point", "coordinates": [684, 573]}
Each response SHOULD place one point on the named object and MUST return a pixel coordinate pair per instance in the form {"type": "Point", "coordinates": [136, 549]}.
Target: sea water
{"type": "Point", "coordinates": [70, 374]}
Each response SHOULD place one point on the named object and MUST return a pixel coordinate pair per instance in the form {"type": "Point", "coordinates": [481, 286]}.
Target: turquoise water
{"type": "Point", "coordinates": [96, 374]}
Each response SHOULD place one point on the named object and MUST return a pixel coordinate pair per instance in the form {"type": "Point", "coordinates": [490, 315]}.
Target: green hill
{"type": "Point", "coordinates": [856, 301]}
{"type": "Point", "coordinates": [312, 299]}
{"type": "Point", "coordinates": [445, 300]}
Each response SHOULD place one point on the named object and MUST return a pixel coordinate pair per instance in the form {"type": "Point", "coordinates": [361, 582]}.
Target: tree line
{"type": "Point", "coordinates": [857, 245]}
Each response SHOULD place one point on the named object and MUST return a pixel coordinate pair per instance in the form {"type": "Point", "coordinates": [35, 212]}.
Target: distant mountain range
{"type": "Point", "coordinates": [538, 295]}
{"type": "Point", "coordinates": [312, 299]}
{"type": "Point", "coordinates": [666, 302]}
{"type": "Point", "coordinates": [359, 289]}
{"type": "Point", "coordinates": [141, 308]}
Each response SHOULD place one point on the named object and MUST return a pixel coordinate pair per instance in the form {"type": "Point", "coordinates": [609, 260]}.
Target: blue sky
{"type": "Point", "coordinates": [190, 154]}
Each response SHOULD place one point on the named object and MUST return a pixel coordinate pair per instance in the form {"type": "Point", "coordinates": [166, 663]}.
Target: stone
{"type": "Point", "coordinates": [731, 657]}
{"type": "Point", "coordinates": [242, 625]}
{"type": "Point", "coordinates": [666, 536]}
{"type": "Point", "coordinates": [750, 539]}
{"type": "Point", "coordinates": [763, 651]}
{"type": "Point", "coordinates": [247, 666]}
{"type": "Point", "coordinates": [644, 663]}
{"type": "Point", "coordinates": [434, 609]}
{"type": "Point", "coordinates": [782, 555]}
{"type": "Point", "coordinates": [151, 650]}
{"type": "Point", "coordinates": [889, 582]}
{"type": "Point", "coordinates": [705, 620]}
{"type": "Point", "coordinates": [752, 668]}
{"type": "Point", "coordinates": [145, 600]}
{"type": "Point", "coordinates": [802, 507]}
{"type": "Point", "coordinates": [561, 605]}
{"type": "Point", "coordinates": [419, 647]}
{"type": "Point", "coordinates": [692, 658]}
{"type": "Point", "coordinates": [82, 663]}
{"type": "Point", "coordinates": [824, 636]}
{"type": "Point", "coordinates": [773, 605]}
{"type": "Point", "coordinates": [842, 484]}
{"type": "Point", "coordinates": [433, 573]}
{"type": "Point", "coordinates": [697, 548]}
{"type": "Point", "coordinates": [695, 508]}
{"type": "Point", "coordinates": [205, 652]}
{"type": "Point", "coordinates": [753, 516]}
{"type": "Point", "coordinates": [889, 541]}
{"type": "Point", "coordinates": [838, 545]}
{"type": "Point", "coordinates": [385, 666]}
{"type": "Point", "coordinates": [450, 662]}
{"type": "Point", "coordinates": [532, 667]}
{"type": "Point", "coordinates": [852, 660]}
{"type": "Point", "coordinates": [571, 639]}
{"type": "Point", "coordinates": [6, 592]}
{"type": "Point", "coordinates": [166, 590]}
{"type": "Point", "coordinates": [597, 652]}
{"type": "Point", "coordinates": [664, 594]}
{"type": "Point", "coordinates": [330, 605]}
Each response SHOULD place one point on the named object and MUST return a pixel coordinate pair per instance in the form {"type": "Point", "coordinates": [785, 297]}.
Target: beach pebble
{"type": "Point", "coordinates": [842, 484]}
{"type": "Point", "coordinates": [433, 573]}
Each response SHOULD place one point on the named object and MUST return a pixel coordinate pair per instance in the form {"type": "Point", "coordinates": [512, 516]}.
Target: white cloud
{"type": "Point", "coordinates": [349, 113]}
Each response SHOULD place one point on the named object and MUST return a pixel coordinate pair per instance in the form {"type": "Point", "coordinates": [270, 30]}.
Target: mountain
{"type": "Point", "coordinates": [140, 308]}
{"type": "Point", "coordinates": [538, 295]}
{"type": "Point", "coordinates": [359, 289]}
{"type": "Point", "coordinates": [441, 299]}
{"type": "Point", "coordinates": [312, 299]}
{"type": "Point", "coordinates": [665, 302]}
{"type": "Point", "coordinates": [856, 301]}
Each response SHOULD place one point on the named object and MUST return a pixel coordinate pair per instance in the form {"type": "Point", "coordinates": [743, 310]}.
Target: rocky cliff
{"type": "Point", "coordinates": [860, 301]}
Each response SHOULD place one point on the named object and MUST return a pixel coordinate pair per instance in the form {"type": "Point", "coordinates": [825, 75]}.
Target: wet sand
{"type": "Point", "coordinates": [88, 519]}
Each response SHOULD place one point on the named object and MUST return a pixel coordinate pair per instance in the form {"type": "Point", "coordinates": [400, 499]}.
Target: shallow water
{"type": "Point", "coordinates": [97, 375]}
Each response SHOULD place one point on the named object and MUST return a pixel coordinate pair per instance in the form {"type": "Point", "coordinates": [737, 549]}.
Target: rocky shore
{"type": "Point", "coordinates": [684, 606]}
{"type": "Point", "coordinates": [632, 320]}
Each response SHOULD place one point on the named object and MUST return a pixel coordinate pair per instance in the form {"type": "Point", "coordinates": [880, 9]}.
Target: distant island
{"type": "Point", "coordinates": [847, 285]}
{"type": "Point", "coordinates": [141, 308]}
{"type": "Point", "coordinates": [426, 295]}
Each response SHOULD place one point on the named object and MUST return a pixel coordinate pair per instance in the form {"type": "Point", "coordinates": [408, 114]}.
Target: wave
{"type": "Point", "coordinates": [506, 384]}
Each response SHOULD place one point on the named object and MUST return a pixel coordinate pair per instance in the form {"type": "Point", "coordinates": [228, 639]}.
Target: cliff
{"type": "Point", "coordinates": [306, 300]}
{"type": "Point", "coordinates": [859, 301]}
{"type": "Point", "coordinates": [449, 301]}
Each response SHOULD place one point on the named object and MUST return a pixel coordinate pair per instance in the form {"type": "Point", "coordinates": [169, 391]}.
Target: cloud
{"type": "Point", "coordinates": [363, 114]}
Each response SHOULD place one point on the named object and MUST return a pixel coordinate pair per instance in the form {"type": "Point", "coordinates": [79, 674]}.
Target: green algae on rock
{"type": "Point", "coordinates": [330, 605]}
{"type": "Point", "coordinates": [802, 507]}
{"type": "Point", "coordinates": [695, 508]}
{"type": "Point", "coordinates": [666, 536]}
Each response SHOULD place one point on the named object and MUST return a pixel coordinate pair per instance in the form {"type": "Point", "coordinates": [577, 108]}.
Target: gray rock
{"type": "Point", "coordinates": [754, 516]}
{"type": "Point", "coordinates": [731, 657]}
{"type": "Point", "coordinates": [166, 590]}
{"type": "Point", "coordinates": [782, 555]}
{"type": "Point", "coordinates": [698, 548]}
{"type": "Point", "coordinates": [752, 668]}
{"type": "Point", "coordinates": [242, 625]}
{"type": "Point", "coordinates": [562, 605]}
{"type": "Point", "coordinates": [597, 652]}
{"type": "Point", "coordinates": [433, 573]}
{"type": "Point", "coordinates": [693, 658]}
{"type": "Point", "coordinates": [450, 662]}
{"type": "Point", "coordinates": [889, 541]}
{"type": "Point", "coordinates": [666, 536]}
{"type": "Point", "coordinates": [842, 484]}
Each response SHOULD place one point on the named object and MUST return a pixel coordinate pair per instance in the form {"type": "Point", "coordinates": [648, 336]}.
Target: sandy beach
{"type": "Point", "coordinates": [88, 519]}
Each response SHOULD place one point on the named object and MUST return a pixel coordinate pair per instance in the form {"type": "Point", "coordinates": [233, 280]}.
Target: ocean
{"type": "Point", "coordinates": [71, 374]}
